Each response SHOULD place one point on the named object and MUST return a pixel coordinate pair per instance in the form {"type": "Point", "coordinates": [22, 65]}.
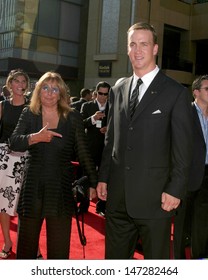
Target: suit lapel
{"type": "Point", "coordinates": [95, 106]}
{"type": "Point", "coordinates": [151, 93]}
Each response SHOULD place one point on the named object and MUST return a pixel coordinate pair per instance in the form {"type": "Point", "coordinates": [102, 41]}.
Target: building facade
{"type": "Point", "coordinates": [182, 37]}
{"type": "Point", "coordinates": [44, 35]}
{"type": "Point", "coordinates": [86, 40]}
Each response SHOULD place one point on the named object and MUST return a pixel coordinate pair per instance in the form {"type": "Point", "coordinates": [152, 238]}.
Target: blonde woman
{"type": "Point", "coordinates": [52, 133]}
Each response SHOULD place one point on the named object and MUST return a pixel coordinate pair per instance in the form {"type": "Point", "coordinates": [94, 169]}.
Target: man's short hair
{"type": "Point", "coordinates": [84, 92]}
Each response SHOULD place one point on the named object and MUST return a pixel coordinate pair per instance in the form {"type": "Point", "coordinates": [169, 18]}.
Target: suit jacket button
{"type": "Point", "coordinates": [127, 168]}
{"type": "Point", "coordinates": [131, 128]}
{"type": "Point", "coordinates": [129, 148]}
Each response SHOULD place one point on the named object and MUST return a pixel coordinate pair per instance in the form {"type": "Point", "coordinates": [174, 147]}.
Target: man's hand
{"type": "Point", "coordinates": [169, 202]}
{"type": "Point", "coordinates": [103, 129]}
{"type": "Point", "coordinates": [102, 190]}
{"type": "Point", "coordinates": [98, 115]}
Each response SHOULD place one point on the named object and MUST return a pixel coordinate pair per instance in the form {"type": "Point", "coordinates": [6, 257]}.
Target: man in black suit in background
{"type": "Point", "coordinates": [190, 221]}
{"type": "Point", "coordinates": [94, 114]}
{"type": "Point", "coordinates": [147, 154]}
{"type": "Point", "coordinates": [85, 96]}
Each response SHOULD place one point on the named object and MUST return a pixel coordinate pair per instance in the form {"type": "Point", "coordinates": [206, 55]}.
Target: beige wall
{"type": "Point", "coordinates": [119, 59]}
{"type": "Point", "coordinates": [189, 18]}
{"type": "Point", "coordinates": [199, 19]}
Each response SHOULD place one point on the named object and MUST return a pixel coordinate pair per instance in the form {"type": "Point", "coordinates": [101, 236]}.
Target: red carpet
{"type": "Point", "coordinates": [94, 231]}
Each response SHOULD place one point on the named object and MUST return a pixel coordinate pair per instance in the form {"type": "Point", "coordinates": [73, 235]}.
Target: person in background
{"type": "Point", "coordinates": [85, 96]}
{"type": "Point", "coordinates": [198, 182]}
{"type": "Point", "coordinates": [94, 115]}
{"type": "Point", "coordinates": [11, 163]}
{"type": "Point", "coordinates": [73, 99]}
{"type": "Point", "coordinates": [51, 131]}
{"type": "Point", "coordinates": [189, 225]}
{"type": "Point", "coordinates": [94, 94]}
{"type": "Point", "coordinates": [147, 155]}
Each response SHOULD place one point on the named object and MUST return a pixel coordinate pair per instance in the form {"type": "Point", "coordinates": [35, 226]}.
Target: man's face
{"type": "Point", "coordinates": [142, 50]}
{"type": "Point", "coordinates": [89, 96]}
{"type": "Point", "coordinates": [102, 95]}
{"type": "Point", "coordinates": [202, 93]}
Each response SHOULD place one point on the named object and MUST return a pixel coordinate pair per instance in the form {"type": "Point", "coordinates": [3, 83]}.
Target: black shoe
{"type": "Point", "coordinates": [101, 213]}
{"type": "Point", "coordinates": [100, 207]}
{"type": "Point", "coordinates": [5, 254]}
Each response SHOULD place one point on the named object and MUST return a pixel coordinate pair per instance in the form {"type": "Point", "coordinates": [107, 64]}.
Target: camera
{"type": "Point", "coordinates": [80, 189]}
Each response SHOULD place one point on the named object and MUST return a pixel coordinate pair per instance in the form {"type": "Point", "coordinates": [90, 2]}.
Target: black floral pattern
{"type": "Point", "coordinates": [18, 170]}
{"type": "Point", "coordinates": [3, 166]}
{"type": "Point", "coordinates": [12, 168]}
{"type": "Point", "coordinates": [3, 153]}
{"type": "Point", "coordinates": [9, 194]}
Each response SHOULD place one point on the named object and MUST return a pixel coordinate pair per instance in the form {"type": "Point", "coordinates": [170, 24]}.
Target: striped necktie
{"type": "Point", "coordinates": [134, 98]}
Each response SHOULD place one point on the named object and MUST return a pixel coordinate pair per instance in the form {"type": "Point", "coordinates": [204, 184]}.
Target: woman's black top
{"type": "Point", "coordinates": [50, 173]}
{"type": "Point", "coordinates": [9, 119]}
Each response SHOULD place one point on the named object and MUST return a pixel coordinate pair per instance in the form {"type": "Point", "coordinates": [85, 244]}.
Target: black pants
{"type": "Point", "coordinates": [122, 233]}
{"type": "Point", "coordinates": [183, 225]}
{"type": "Point", "coordinates": [199, 229]}
{"type": "Point", "coordinates": [58, 237]}
{"type": "Point", "coordinates": [200, 224]}
{"type": "Point", "coordinates": [100, 206]}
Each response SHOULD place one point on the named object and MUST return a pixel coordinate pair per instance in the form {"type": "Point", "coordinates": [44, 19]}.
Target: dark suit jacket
{"type": "Point", "coordinates": [50, 173]}
{"type": "Point", "coordinates": [151, 153]}
{"type": "Point", "coordinates": [199, 154]}
{"type": "Point", "coordinates": [94, 136]}
{"type": "Point", "coordinates": [78, 104]}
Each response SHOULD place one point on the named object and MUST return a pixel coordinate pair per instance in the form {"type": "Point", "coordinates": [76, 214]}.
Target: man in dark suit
{"type": "Point", "coordinates": [85, 96]}
{"type": "Point", "coordinates": [194, 209]}
{"type": "Point", "coordinates": [147, 154]}
{"type": "Point", "coordinates": [94, 114]}
{"type": "Point", "coordinates": [188, 223]}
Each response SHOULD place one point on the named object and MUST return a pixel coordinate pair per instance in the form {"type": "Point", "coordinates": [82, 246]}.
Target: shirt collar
{"type": "Point", "coordinates": [147, 78]}
{"type": "Point", "coordinates": [101, 106]}
{"type": "Point", "coordinates": [197, 107]}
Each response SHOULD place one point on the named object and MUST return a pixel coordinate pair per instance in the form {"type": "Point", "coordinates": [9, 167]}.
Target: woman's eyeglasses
{"type": "Point", "coordinates": [47, 89]}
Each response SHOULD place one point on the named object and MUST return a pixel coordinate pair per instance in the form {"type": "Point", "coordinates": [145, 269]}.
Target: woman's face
{"type": "Point", "coordinates": [49, 94]}
{"type": "Point", "coordinates": [18, 85]}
